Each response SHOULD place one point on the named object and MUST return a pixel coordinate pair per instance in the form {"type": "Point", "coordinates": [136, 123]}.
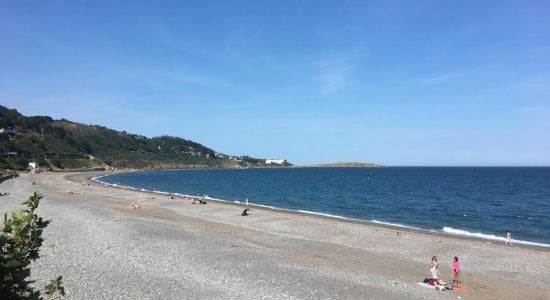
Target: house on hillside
{"type": "Point", "coordinates": [34, 168]}
{"type": "Point", "coordinates": [8, 130]}
{"type": "Point", "coordinates": [275, 161]}
{"type": "Point", "coordinates": [10, 154]}
{"type": "Point", "coordinates": [31, 167]}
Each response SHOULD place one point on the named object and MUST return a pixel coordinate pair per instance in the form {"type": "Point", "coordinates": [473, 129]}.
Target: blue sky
{"type": "Point", "coordinates": [394, 82]}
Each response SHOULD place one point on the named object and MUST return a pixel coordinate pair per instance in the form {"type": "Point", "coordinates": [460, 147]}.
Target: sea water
{"type": "Point", "coordinates": [482, 202]}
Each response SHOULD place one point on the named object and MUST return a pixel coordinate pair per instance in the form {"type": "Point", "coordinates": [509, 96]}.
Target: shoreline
{"type": "Point", "coordinates": [375, 223]}
{"type": "Point", "coordinates": [170, 249]}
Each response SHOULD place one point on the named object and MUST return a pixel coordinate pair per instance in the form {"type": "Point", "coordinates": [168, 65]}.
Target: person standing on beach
{"type": "Point", "coordinates": [435, 270]}
{"type": "Point", "coordinates": [456, 271]}
{"type": "Point", "coordinates": [508, 238]}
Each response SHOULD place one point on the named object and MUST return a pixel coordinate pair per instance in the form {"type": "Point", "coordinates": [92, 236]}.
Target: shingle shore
{"type": "Point", "coordinates": [171, 249]}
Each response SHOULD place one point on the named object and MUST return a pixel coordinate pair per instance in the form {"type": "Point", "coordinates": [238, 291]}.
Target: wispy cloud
{"type": "Point", "coordinates": [172, 82]}
{"type": "Point", "coordinates": [187, 79]}
{"type": "Point", "coordinates": [334, 76]}
{"type": "Point", "coordinates": [437, 79]}
{"type": "Point", "coordinates": [42, 41]}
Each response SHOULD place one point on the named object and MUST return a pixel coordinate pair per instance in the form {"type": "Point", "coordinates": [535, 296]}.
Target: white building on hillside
{"type": "Point", "coordinates": [275, 161]}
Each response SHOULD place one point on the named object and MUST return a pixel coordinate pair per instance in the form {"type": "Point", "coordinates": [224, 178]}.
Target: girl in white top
{"type": "Point", "coordinates": [435, 268]}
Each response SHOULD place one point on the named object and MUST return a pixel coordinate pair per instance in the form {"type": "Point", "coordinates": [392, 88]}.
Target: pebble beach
{"type": "Point", "coordinates": [172, 249]}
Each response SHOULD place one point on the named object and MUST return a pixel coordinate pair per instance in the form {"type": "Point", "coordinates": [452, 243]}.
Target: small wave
{"type": "Point", "coordinates": [492, 237]}
{"type": "Point", "coordinates": [327, 215]}
{"type": "Point", "coordinates": [395, 225]}
{"type": "Point", "coordinates": [268, 206]}
{"type": "Point", "coordinates": [214, 198]}
{"type": "Point", "coordinates": [96, 178]}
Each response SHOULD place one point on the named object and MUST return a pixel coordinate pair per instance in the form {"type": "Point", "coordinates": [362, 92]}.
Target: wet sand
{"type": "Point", "coordinates": [172, 249]}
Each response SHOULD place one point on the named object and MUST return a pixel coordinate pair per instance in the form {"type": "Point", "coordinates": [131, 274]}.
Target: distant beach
{"type": "Point", "coordinates": [170, 248]}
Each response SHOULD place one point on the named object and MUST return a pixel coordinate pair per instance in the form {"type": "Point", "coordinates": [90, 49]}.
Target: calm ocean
{"type": "Point", "coordinates": [475, 201]}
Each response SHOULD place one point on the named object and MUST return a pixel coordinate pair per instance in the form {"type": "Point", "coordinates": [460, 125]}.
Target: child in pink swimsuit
{"type": "Point", "coordinates": [456, 271]}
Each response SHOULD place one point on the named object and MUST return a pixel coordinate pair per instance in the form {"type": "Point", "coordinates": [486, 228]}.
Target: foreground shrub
{"type": "Point", "coordinates": [20, 242]}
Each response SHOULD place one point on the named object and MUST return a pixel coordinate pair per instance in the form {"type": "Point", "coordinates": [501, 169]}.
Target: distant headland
{"type": "Point", "coordinates": [40, 143]}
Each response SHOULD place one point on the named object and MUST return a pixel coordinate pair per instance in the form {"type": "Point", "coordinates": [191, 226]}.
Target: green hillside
{"type": "Point", "coordinates": [66, 145]}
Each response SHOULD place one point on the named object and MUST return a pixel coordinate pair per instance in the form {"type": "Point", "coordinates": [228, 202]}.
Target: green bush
{"type": "Point", "coordinates": [20, 242]}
